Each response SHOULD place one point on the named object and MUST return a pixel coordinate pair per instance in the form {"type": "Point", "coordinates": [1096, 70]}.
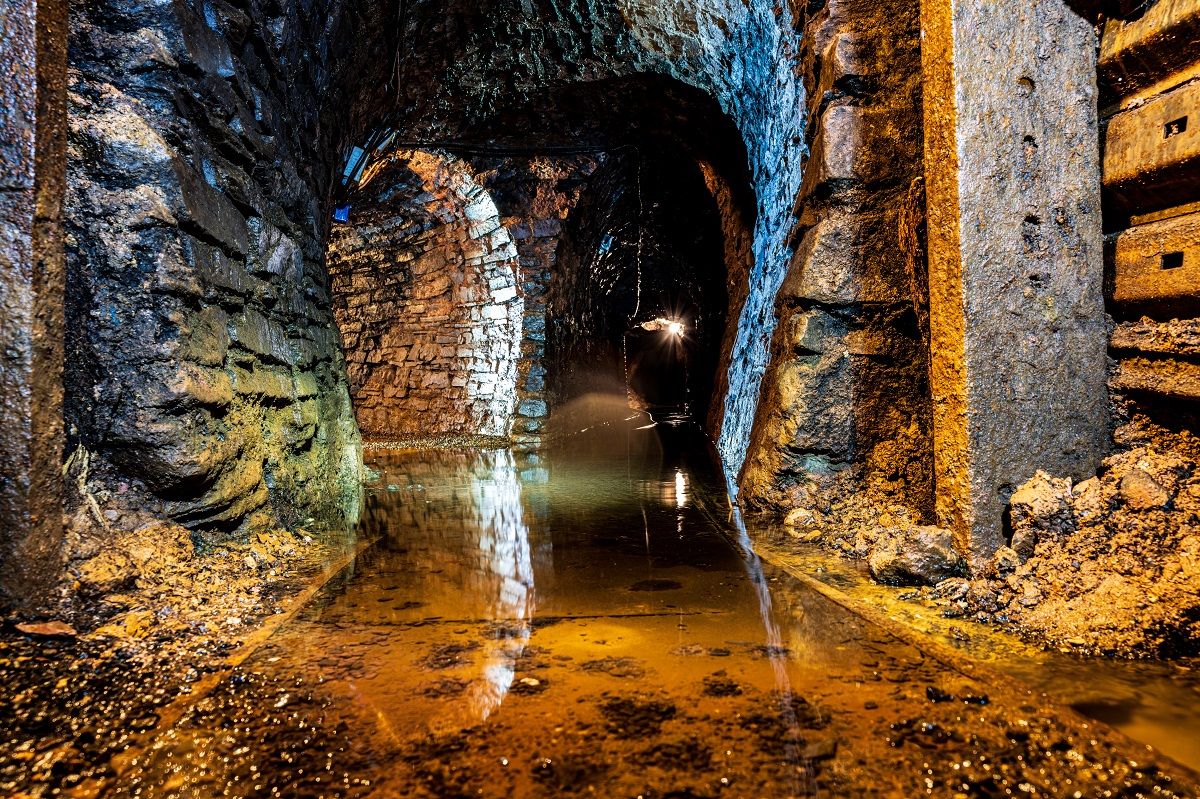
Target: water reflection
{"type": "Point", "coordinates": [653, 659]}
{"type": "Point", "coordinates": [451, 536]}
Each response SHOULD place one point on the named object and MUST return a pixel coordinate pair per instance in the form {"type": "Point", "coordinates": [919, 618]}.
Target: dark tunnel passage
{"type": "Point", "coordinates": [445, 398]}
{"type": "Point", "coordinates": [640, 296]}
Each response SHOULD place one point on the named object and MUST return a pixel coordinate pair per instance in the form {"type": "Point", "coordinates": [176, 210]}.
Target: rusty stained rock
{"type": "Point", "coordinates": [844, 415]}
{"type": "Point", "coordinates": [914, 556]}
{"type": "Point", "coordinates": [33, 70]}
{"type": "Point", "coordinates": [1117, 572]}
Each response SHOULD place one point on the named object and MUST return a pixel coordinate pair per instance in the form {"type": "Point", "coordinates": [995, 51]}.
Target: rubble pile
{"type": "Point", "coordinates": [1110, 564]}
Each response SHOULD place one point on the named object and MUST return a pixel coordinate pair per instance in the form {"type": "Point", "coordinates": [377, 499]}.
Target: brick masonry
{"type": "Point", "coordinates": [426, 296]}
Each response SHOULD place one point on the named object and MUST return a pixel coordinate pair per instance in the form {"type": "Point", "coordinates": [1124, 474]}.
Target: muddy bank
{"type": "Point", "coordinates": [148, 609]}
{"type": "Point", "coordinates": [1109, 565]}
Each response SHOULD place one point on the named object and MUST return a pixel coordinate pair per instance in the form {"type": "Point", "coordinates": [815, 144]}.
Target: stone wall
{"type": "Point", "coordinates": [535, 195]}
{"type": "Point", "coordinates": [425, 285]}
{"type": "Point", "coordinates": [845, 405]}
{"type": "Point", "coordinates": [204, 367]}
{"type": "Point", "coordinates": [1148, 73]}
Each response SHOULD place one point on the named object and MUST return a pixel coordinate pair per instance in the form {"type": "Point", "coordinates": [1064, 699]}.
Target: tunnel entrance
{"type": "Point", "coordinates": [523, 270]}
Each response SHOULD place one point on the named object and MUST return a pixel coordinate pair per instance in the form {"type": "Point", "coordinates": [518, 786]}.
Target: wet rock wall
{"type": "Point", "coordinates": [425, 286]}
{"type": "Point", "coordinates": [204, 368]}
{"type": "Point", "coordinates": [845, 408]}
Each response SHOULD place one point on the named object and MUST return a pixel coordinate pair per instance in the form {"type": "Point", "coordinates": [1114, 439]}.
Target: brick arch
{"type": "Point", "coordinates": [425, 292]}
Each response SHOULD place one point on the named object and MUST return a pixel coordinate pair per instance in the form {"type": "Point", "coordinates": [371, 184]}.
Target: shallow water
{"type": "Point", "coordinates": [1151, 701]}
{"type": "Point", "coordinates": [581, 623]}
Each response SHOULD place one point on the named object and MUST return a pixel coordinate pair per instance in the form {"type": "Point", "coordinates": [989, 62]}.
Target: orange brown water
{"type": "Point", "coordinates": [584, 623]}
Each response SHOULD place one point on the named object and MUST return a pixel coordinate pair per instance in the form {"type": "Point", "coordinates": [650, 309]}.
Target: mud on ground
{"type": "Point", "coordinates": [1109, 565]}
{"type": "Point", "coordinates": [148, 608]}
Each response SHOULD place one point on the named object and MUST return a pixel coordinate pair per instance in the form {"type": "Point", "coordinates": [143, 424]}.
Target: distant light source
{"type": "Point", "coordinates": [672, 326]}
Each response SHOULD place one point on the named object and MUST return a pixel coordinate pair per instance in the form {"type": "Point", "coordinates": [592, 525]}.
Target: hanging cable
{"type": "Point", "coordinates": [641, 232]}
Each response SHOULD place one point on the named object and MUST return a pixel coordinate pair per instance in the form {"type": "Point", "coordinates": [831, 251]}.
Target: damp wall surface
{"type": "Point", "coordinates": [204, 368]}
{"type": "Point", "coordinates": [845, 408]}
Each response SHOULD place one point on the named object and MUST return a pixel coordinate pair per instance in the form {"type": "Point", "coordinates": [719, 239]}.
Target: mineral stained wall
{"type": "Point", "coordinates": [204, 367]}
{"type": "Point", "coordinates": [845, 411]}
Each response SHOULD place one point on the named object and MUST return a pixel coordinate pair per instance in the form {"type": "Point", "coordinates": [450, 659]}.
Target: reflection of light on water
{"type": "Point", "coordinates": [680, 489]}
{"type": "Point", "coordinates": [775, 648]}
{"type": "Point", "coordinates": [504, 560]}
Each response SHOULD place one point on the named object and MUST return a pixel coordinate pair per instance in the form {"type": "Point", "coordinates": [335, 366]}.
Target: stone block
{"type": "Point", "coordinates": [860, 144]}
{"type": "Point", "coordinates": [532, 408]}
{"type": "Point", "coordinates": [915, 556]}
{"type": "Point", "coordinates": [306, 385]}
{"type": "Point", "coordinates": [267, 384]}
{"type": "Point", "coordinates": [849, 258]}
{"type": "Point", "coordinates": [1136, 54]}
{"type": "Point", "coordinates": [1018, 327]}
{"type": "Point", "coordinates": [1179, 337]}
{"type": "Point", "coordinates": [190, 386]}
{"type": "Point", "coordinates": [207, 49]}
{"type": "Point", "coordinates": [847, 59]}
{"type": "Point", "coordinates": [204, 337]}
{"type": "Point", "coordinates": [1166, 377]}
{"type": "Point", "coordinates": [261, 335]}
{"type": "Point", "coordinates": [210, 210]}
{"type": "Point", "coordinates": [1152, 152]}
{"type": "Point", "coordinates": [274, 254]}
{"type": "Point", "coordinates": [1158, 263]}
{"type": "Point", "coordinates": [547, 228]}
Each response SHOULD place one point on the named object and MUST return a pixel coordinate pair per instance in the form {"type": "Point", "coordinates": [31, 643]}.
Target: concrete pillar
{"type": "Point", "coordinates": [33, 67]}
{"type": "Point", "coordinates": [1015, 263]}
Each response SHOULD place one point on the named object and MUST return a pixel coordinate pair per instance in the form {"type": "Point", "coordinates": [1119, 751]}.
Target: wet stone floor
{"type": "Point", "coordinates": [587, 624]}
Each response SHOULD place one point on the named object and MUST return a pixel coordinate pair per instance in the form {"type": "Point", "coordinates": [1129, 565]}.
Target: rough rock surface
{"type": "Point", "coordinates": [204, 366]}
{"type": "Point", "coordinates": [1116, 566]}
{"type": "Point", "coordinates": [914, 556]}
{"type": "Point", "coordinates": [848, 415]}
{"type": "Point", "coordinates": [1040, 510]}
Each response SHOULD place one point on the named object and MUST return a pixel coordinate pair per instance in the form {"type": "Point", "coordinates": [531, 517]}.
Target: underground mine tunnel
{"type": "Point", "coordinates": [622, 398]}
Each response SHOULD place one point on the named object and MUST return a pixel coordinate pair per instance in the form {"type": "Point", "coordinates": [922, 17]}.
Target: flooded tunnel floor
{"type": "Point", "coordinates": [584, 623]}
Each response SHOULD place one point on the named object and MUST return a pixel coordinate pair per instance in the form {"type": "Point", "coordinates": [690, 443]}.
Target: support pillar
{"type": "Point", "coordinates": [1017, 319]}
{"type": "Point", "coordinates": [33, 130]}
